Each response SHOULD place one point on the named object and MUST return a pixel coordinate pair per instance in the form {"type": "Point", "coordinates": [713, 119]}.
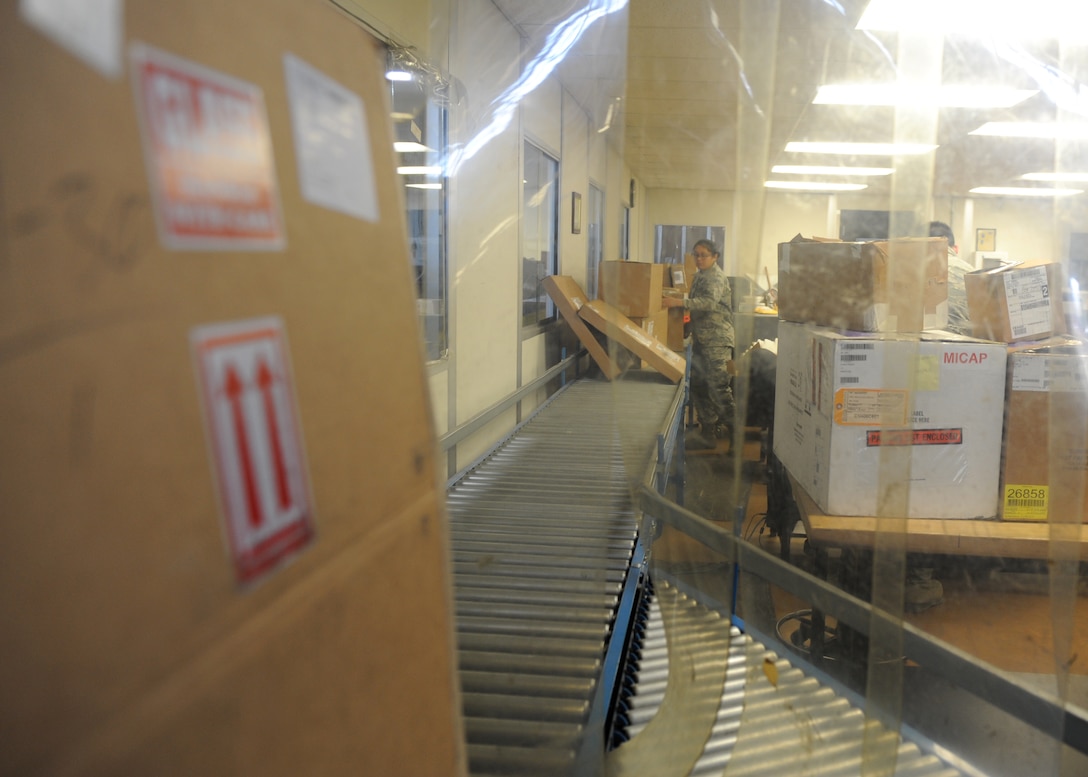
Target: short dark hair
{"type": "Point", "coordinates": [708, 245]}
{"type": "Point", "coordinates": [940, 229]}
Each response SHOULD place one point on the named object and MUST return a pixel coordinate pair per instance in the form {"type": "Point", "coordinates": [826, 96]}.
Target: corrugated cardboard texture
{"type": "Point", "coordinates": [675, 338]}
{"type": "Point", "coordinates": [569, 298]}
{"type": "Point", "coordinates": [127, 645]}
{"type": "Point", "coordinates": [620, 328]}
{"type": "Point", "coordinates": [678, 277]}
{"type": "Point", "coordinates": [632, 288]}
{"type": "Point", "coordinates": [884, 286]}
{"type": "Point", "coordinates": [995, 317]}
{"type": "Point", "coordinates": [1044, 469]}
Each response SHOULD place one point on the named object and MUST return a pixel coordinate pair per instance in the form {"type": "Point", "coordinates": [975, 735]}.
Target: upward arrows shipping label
{"type": "Point", "coordinates": [251, 421]}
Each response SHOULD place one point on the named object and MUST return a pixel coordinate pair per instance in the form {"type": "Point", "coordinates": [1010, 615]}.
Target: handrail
{"type": "Point", "coordinates": [477, 422]}
{"type": "Point", "coordinates": [972, 675]}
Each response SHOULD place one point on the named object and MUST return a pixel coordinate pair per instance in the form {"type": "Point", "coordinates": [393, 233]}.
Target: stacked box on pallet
{"type": "Point", "coordinates": [877, 411]}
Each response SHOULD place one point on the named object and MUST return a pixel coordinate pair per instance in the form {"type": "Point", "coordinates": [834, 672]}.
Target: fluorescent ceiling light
{"type": "Point", "coordinates": [978, 18]}
{"type": "Point", "coordinates": [815, 186]}
{"type": "Point", "coordinates": [401, 116]}
{"type": "Point", "coordinates": [409, 146]}
{"type": "Point", "coordinates": [1051, 130]}
{"type": "Point", "coordinates": [947, 96]}
{"type": "Point", "coordinates": [830, 170]}
{"type": "Point", "coordinates": [419, 170]}
{"type": "Point", "coordinates": [398, 75]}
{"type": "Point", "coordinates": [1056, 177]}
{"type": "Point", "coordinates": [423, 185]}
{"type": "Point", "coordinates": [1024, 191]}
{"type": "Point", "coordinates": [859, 149]}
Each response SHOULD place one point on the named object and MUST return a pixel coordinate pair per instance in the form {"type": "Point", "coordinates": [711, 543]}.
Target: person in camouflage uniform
{"type": "Point", "coordinates": [710, 301]}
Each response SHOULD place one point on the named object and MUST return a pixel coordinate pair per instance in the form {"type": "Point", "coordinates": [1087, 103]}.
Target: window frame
{"type": "Point", "coordinates": [543, 309]}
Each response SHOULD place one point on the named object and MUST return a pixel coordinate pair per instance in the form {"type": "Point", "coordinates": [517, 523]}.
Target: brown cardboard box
{"type": "Point", "coordinates": [675, 337]}
{"type": "Point", "coordinates": [632, 288]}
{"type": "Point", "coordinates": [690, 268]}
{"type": "Point", "coordinates": [678, 276]}
{"type": "Point", "coordinates": [620, 328]}
{"type": "Point", "coordinates": [656, 326]}
{"type": "Point", "coordinates": [569, 297]}
{"type": "Point", "coordinates": [136, 641]}
{"type": "Point", "coordinates": [1016, 302]}
{"type": "Point", "coordinates": [677, 318]}
{"type": "Point", "coordinates": [1045, 450]}
{"type": "Point", "coordinates": [885, 286]}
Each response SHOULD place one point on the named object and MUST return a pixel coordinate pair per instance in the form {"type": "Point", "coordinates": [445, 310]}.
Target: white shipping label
{"type": "Point", "coordinates": [332, 143]}
{"type": "Point", "coordinates": [90, 29]}
{"type": "Point", "coordinates": [1029, 374]}
{"type": "Point", "coordinates": [1068, 374]}
{"type": "Point", "coordinates": [860, 364]}
{"type": "Point", "coordinates": [1027, 294]}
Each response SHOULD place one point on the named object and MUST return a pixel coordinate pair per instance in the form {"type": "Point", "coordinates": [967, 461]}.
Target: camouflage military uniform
{"type": "Point", "coordinates": [711, 304]}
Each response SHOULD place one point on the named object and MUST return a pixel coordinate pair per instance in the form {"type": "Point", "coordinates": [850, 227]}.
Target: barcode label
{"type": "Point", "coordinates": [847, 379]}
{"type": "Point", "coordinates": [859, 346]}
{"type": "Point", "coordinates": [1019, 331]}
{"type": "Point", "coordinates": [1025, 503]}
{"type": "Point", "coordinates": [854, 357]}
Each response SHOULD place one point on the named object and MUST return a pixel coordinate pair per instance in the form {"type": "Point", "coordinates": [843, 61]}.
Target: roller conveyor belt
{"type": "Point", "coordinates": [543, 533]}
{"type": "Point", "coordinates": [764, 726]}
{"type": "Point", "coordinates": [546, 554]}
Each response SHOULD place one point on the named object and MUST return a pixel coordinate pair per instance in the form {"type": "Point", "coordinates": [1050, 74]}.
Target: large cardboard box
{"type": "Point", "coordinates": [881, 286]}
{"type": "Point", "coordinates": [569, 297]}
{"type": "Point", "coordinates": [675, 329]}
{"type": "Point", "coordinates": [1045, 453]}
{"type": "Point", "coordinates": [224, 547]}
{"type": "Point", "coordinates": [680, 276]}
{"type": "Point", "coordinates": [630, 335]}
{"type": "Point", "coordinates": [855, 413]}
{"type": "Point", "coordinates": [657, 325]}
{"type": "Point", "coordinates": [632, 288]}
{"type": "Point", "coordinates": [1016, 302]}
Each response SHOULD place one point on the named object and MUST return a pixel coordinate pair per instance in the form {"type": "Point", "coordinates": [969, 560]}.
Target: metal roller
{"type": "Point", "coordinates": [760, 728]}
{"type": "Point", "coordinates": [542, 532]}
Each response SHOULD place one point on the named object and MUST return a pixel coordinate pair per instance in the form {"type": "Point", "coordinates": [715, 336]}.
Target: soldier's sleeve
{"type": "Point", "coordinates": [706, 292]}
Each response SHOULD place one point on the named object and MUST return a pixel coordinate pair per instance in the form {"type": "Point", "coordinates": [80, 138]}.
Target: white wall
{"type": "Point", "coordinates": [484, 242]}
{"type": "Point", "coordinates": [483, 54]}
{"type": "Point", "coordinates": [787, 215]}
{"type": "Point", "coordinates": [690, 208]}
{"type": "Point", "coordinates": [1026, 228]}
{"type": "Point", "coordinates": [574, 177]}
{"type": "Point", "coordinates": [403, 21]}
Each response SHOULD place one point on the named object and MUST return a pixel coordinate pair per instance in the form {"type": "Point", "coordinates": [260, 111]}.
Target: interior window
{"type": "Point", "coordinates": [420, 122]}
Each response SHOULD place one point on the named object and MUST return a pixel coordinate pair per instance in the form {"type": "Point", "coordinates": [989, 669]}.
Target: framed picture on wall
{"type": "Point", "coordinates": [985, 239]}
{"type": "Point", "coordinates": [575, 213]}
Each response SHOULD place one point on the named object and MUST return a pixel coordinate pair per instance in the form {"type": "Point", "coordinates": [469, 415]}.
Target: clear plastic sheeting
{"type": "Point", "coordinates": [731, 117]}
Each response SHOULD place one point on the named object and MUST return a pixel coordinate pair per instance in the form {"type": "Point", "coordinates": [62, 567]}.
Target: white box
{"type": "Point", "coordinates": [930, 405]}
